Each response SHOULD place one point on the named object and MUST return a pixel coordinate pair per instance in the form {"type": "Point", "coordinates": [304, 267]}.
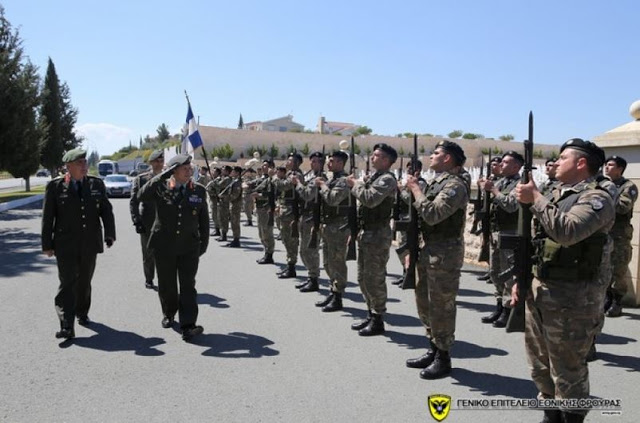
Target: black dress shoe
{"type": "Point", "coordinates": [167, 322]}
{"type": "Point", "coordinates": [335, 304]}
{"type": "Point", "coordinates": [65, 333]}
{"type": "Point", "coordinates": [310, 286]}
{"type": "Point", "coordinates": [326, 301]}
{"type": "Point", "coordinates": [189, 332]}
{"type": "Point", "coordinates": [148, 284]}
{"type": "Point", "coordinates": [266, 259]}
{"type": "Point", "coordinates": [375, 326]}
{"type": "Point", "coordinates": [361, 324]}
{"type": "Point", "coordinates": [84, 321]}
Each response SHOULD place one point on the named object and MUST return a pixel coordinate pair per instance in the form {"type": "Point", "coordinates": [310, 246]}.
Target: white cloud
{"type": "Point", "coordinates": [106, 138]}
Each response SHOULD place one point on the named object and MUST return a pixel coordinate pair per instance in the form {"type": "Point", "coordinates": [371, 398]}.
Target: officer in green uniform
{"type": "Point", "coordinates": [143, 214]}
{"type": "Point", "coordinates": [441, 207]}
{"type": "Point", "coordinates": [74, 205]}
{"type": "Point", "coordinates": [622, 231]}
{"type": "Point", "coordinates": [376, 197]}
{"type": "Point", "coordinates": [180, 235]}
{"type": "Point", "coordinates": [571, 272]}
{"type": "Point", "coordinates": [264, 195]}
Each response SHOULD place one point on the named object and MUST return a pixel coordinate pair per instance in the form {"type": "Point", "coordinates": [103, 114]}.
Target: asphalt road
{"type": "Point", "coordinates": [267, 354]}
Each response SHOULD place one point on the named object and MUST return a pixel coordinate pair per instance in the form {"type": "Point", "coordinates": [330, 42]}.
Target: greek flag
{"type": "Point", "coordinates": [191, 139]}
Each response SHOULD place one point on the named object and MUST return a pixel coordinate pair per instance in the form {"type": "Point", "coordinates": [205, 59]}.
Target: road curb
{"type": "Point", "coordinates": [21, 202]}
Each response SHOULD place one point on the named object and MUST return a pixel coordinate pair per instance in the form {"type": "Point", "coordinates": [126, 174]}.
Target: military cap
{"type": "Point", "coordinates": [454, 149]}
{"type": "Point", "coordinates": [73, 155]}
{"type": "Point", "coordinates": [296, 156]}
{"type": "Point", "coordinates": [340, 155]}
{"type": "Point", "coordinates": [317, 154]}
{"type": "Point", "coordinates": [515, 155]}
{"type": "Point", "coordinates": [179, 160]}
{"type": "Point", "coordinates": [227, 168]}
{"type": "Point", "coordinates": [620, 162]}
{"type": "Point", "coordinates": [496, 159]}
{"type": "Point", "coordinates": [269, 162]}
{"type": "Point", "coordinates": [388, 150]}
{"type": "Point", "coordinates": [586, 147]}
{"type": "Point", "coordinates": [238, 169]}
{"type": "Point", "coordinates": [156, 154]}
{"type": "Point", "coordinates": [552, 161]}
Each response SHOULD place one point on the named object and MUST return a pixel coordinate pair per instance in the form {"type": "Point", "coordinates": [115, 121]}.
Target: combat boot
{"type": "Point", "coordinates": [266, 259]}
{"type": "Point", "coordinates": [289, 272]}
{"type": "Point", "coordinates": [310, 286]}
{"type": "Point", "coordinates": [234, 244]}
{"type": "Point", "coordinates": [361, 324]}
{"type": "Point", "coordinates": [552, 416]}
{"type": "Point", "coordinates": [216, 232]}
{"type": "Point", "coordinates": [440, 367]}
{"type": "Point", "coordinates": [400, 279]}
{"type": "Point", "coordinates": [374, 327]}
{"type": "Point", "coordinates": [493, 316]}
{"type": "Point", "coordinates": [326, 301]}
{"type": "Point", "coordinates": [222, 238]}
{"type": "Point", "coordinates": [335, 304]}
{"type": "Point", "coordinates": [572, 417]}
{"type": "Point", "coordinates": [503, 319]}
{"type": "Point", "coordinates": [616, 307]}
{"type": "Point", "coordinates": [424, 360]}
{"type": "Point", "coordinates": [248, 223]}
{"type": "Point", "coordinates": [301, 283]}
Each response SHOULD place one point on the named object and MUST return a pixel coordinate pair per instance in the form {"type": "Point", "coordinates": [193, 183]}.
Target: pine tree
{"type": "Point", "coordinates": [240, 122]}
{"type": "Point", "coordinates": [53, 147]}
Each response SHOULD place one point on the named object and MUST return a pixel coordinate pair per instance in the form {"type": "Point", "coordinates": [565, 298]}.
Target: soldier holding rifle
{"type": "Point", "coordinates": [571, 271]}
{"type": "Point", "coordinates": [265, 205]}
{"type": "Point", "coordinates": [442, 210]}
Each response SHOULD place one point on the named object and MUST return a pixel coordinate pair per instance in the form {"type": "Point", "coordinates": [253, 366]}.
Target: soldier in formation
{"type": "Point", "coordinates": [249, 181]}
{"type": "Point", "coordinates": [232, 195]}
{"type": "Point", "coordinates": [222, 188]}
{"type": "Point", "coordinates": [264, 196]}
{"type": "Point", "coordinates": [212, 192]}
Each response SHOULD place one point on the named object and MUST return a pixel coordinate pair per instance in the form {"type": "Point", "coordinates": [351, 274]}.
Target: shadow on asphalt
{"type": "Point", "coordinates": [212, 300]}
{"type": "Point", "coordinates": [20, 252]}
{"type": "Point", "coordinates": [463, 292]}
{"type": "Point", "coordinates": [608, 339]}
{"type": "Point", "coordinates": [26, 212]}
{"type": "Point", "coordinates": [235, 345]}
{"type": "Point", "coordinates": [632, 364]}
{"type": "Point", "coordinates": [112, 340]}
{"type": "Point", "coordinates": [492, 384]}
{"type": "Point", "coordinates": [410, 341]}
{"type": "Point", "coordinates": [481, 308]}
{"type": "Point", "coordinates": [463, 349]}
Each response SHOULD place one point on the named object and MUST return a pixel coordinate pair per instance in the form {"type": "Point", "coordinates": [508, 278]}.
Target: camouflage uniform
{"type": "Point", "coordinates": [376, 197]}
{"type": "Point", "coordinates": [335, 230]}
{"type": "Point", "coordinates": [288, 205]}
{"type": "Point", "coordinates": [264, 189]}
{"type": "Point", "coordinates": [547, 186]}
{"type": "Point", "coordinates": [235, 200]}
{"type": "Point", "coordinates": [571, 268]}
{"type": "Point", "coordinates": [223, 203]}
{"type": "Point", "coordinates": [621, 234]}
{"type": "Point", "coordinates": [247, 201]}
{"type": "Point", "coordinates": [212, 191]}
{"type": "Point", "coordinates": [308, 194]}
{"type": "Point", "coordinates": [442, 212]}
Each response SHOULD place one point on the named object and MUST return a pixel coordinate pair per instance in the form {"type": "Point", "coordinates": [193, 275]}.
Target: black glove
{"type": "Point", "coordinates": [109, 242]}
{"type": "Point", "coordinates": [140, 228]}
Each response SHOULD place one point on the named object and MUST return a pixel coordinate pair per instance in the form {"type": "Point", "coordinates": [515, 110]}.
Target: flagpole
{"type": "Point", "coordinates": [204, 152]}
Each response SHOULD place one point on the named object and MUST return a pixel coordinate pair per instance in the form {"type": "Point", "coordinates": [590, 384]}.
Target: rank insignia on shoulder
{"type": "Point", "coordinates": [596, 204]}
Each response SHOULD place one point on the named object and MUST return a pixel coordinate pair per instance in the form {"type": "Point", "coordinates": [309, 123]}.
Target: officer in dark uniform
{"type": "Point", "coordinates": [143, 214]}
{"type": "Point", "coordinates": [180, 235]}
{"type": "Point", "coordinates": [74, 205]}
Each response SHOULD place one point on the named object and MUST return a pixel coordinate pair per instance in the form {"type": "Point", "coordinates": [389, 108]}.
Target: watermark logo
{"type": "Point", "coordinates": [439, 406]}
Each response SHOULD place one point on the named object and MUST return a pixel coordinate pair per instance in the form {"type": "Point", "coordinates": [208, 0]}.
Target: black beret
{"type": "Point", "coordinates": [180, 159]}
{"type": "Point", "coordinates": [281, 169]}
{"type": "Point", "coordinates": [269, 162]}
{"type": "Point", "coordinates": [73, 155]}
{"type": "Point", "coordinates": [227, 168]}
{"type": "Point", "coordinates": [586, 147]}
{"type": "Point", "coordinates": [156, 154]}
{"type": "Point", "coordinates": [296, 156]}
{"type": "Point", "coordinates": [549, 161]}
{"type": "Point", "coordinates": [316, 154]}
{"type": "Point", "coordinates": [515, 155]}
{"type": "Point", "coordinates": [496, 159]}
{"type": "Point", "coordinates": [238, 169]}
{"type": "Point", "coordinates": [620, 162]}
{"type": "Point", "coordinates": [454, 149]}
{"type": "Point", "coordinates": [340, 155]}
{"type": "Point", "coordinates": [388, 150]}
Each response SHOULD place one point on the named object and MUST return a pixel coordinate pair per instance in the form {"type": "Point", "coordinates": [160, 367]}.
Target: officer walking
{"type": "Point", "coordinates": [570, 271]}
{"type": "Point", "coordinates": [376, 197]}
{"type": "Point", "coordinates": [74, 205]}
{"type": "Point", "coordinates": [143, 214]}
{"type": "Point", "coordinates": [441, 207]}
{"type": "Point", "coordinates": [180, 235]}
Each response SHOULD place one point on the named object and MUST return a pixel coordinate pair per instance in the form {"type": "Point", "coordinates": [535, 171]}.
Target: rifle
{"type": "Point", "coordinates": [271, 193]}
{"type": "Point", "coordinates": [366, 169]}
{"type": "Point", "coordinates": [523, 247]}
{"type": "Point", "coordinates": [413, 228]}
{"type": "Point", "coordinates": [399, 225]}
{"type": "Point", "coordinates": [477, 211]}
{"type": "Point", "coordinates": [317, 211]}
{"type": "Point", "coordinates": [296, 214]}
{"type": "Point", "coordinates": [485, 249]}
{"type": "Point", "coordinates": [353, 210]}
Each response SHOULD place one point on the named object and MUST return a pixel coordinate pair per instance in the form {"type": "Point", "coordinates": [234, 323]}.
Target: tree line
{"type": "Point", "coordinates": [37, 118]}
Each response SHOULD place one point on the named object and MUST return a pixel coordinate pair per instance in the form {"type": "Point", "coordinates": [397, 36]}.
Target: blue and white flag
{"type": "Point", "coordinates": [191, 139]}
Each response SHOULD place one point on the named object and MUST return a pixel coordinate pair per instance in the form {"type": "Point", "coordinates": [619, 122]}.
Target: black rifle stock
{"type": "Point", "coordinates": [353, 210]}
{"type": "Point", "coordinates": [399, 225]}
{"type": "Point", "coordinates": [317, 211]}
{"type": "Point", "coordinates": [523, 247]}
{"type": "Point", "coordinates": [272, 202]}
{"type": "Point", "coordinates": [485, 248]}
{"type": "Point", "coordinates": [413, 228]}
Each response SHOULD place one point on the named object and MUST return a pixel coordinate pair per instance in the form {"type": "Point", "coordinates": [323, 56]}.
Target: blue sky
{"type": "Point", "coordinates": [404, 66]}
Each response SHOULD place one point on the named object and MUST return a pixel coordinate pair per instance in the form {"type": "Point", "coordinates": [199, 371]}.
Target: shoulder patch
{"type": "Point", "coordinates": [596, 204]}
{"type": "Point", "coordinates": [451, 192]}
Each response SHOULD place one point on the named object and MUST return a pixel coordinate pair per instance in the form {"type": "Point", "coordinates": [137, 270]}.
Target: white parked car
{"type": "Point", "coordinates": [117, 186]}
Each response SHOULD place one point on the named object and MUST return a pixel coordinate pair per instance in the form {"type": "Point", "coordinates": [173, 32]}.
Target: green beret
{"type": "Point", "coordinates": [156, 154]}
{"type": "Point", "coordinates": [73, 155]}
{"type": "Point", "coordinates": [180, 159]}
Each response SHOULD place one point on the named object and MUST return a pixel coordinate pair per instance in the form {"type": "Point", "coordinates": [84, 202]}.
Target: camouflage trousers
{"type": "Point", "coordinates": [247, 206]}
{"type": "Point", "coordinates": [234, 218]}
{"type": "Point", "coordinates": [290, 243]}
{"type": "Point", "coordinates": [501, 270]}
{"type": "Point", "coordinates": [223, 216]}
{"type": "Point", "coordinates": [620, 259]}
{"type": "Point", "coordinates": [373, 255]}
{"type": "Point", "coordinates": [213, 206]}
{"type": "Point", "coordinates": [334, 254]}
{"type": "Point", "coordinates": [561, 320]}
{"type": "Point", "coordinates": [265, 231]}
{"type": "Point", "coordinates": [310, 256]}
{"type": "Point", "coordinates": [436, 290]}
